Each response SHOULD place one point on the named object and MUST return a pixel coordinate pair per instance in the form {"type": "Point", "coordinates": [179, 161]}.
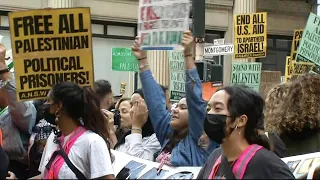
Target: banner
{"type": "Point", "coordinates": [177, 76]}
{"type": "Point", "coordinates": [129, 167]}
{"type": "Point", "coordinates": [297, 35]}
{"type": "Point", "coordinates": [300, 68]}
{"type": "Point", "coordinates": [250, 35]}
{"type": "Point", "coordinates": [50, 46]}
{"type": "Point", "coordinates": [123, 59]}
{"type": "Point", "coordinates": [288, 71]}
{"type": "Point", "coordinates": [161, 23]}
{"type": "Point", "coordinates": [247, 74]}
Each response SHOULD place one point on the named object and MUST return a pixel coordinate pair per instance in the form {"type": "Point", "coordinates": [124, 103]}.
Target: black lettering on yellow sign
{"type": "Point", "coordinates": [250, 35]}
{"type": "Point", "coordinates": [297, 35]}
{"type": "Point", "coordinates": [51, 46]}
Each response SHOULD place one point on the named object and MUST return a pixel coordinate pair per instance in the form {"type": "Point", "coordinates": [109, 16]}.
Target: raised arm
{"type": "Point", "coordinates": [196, 105]}
{"type": "Point", "coordinates": [23, 114]}
{"type": "Point", "coordinates": [154, 96]}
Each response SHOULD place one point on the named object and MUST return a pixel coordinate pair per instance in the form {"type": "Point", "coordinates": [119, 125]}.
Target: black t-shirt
{"type": "Point", "coordinates": [263, 165]}
{"type": "Point", "coordinates": [4, 163]}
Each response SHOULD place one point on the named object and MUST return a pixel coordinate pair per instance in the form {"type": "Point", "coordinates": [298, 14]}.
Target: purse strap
{"type": "Point", "coordinates": [225, 167]}
{"type": "Point", "coordinates": [73, 168]}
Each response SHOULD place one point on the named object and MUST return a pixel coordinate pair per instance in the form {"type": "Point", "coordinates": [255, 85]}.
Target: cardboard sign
{"type": "Point", "coordinates": [297, 35]}
{"type": "Point", "coordinates": [300, 68]}
{"type": "Point", "coordinates": [129, 167]}
{"type": "Point", "coordinates": [218, 50]}
{"type": "Point", "coordinates": [250, 35]}
{"type": "Point", "coordinates": [247, 74]}
{"type": "Point", "coordinates": [161, 23]}
{"type": "Point", "coordinates": [288, 71]}
{"type": "Point", "coordinates": [269, 79]}
{"type": "Point", "coordinates": [177, 76]}
{"type": "Point", "coordinates": [50, 46]}
{"type": "Point", "coordinates": [123, 59]}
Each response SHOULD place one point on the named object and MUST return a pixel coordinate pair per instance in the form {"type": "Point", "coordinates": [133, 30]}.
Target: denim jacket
{"type": "Point", "coordinates": [187, 152]}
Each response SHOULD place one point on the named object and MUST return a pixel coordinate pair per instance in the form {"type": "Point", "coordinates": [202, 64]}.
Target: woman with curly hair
{"type": "Point", "coordinates": [297, 117]}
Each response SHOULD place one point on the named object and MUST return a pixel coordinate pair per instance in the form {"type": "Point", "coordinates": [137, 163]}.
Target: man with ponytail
{"type": "Point", "coordinates": [233, 121]}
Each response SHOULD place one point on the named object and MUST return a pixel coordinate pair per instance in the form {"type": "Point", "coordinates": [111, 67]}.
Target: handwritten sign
{"type": "Point", "coordinates": [123, 59]}
{"type": "Point", "coordinates": [161, 23]}
{"type": "Point", "coordinates": [246, 74]}
{"type": "Point", "coordinates": [250, 35]}
{"type": "Point", "coordinates": [218, 50]}
{"type": "Point", "coordinates": [300, 68]}
{"type": "Point", "coordinates": [50, 46]}
{"type": "Point", "coordinates": [288, 71]}
{"type": "Point", "coordinates": [177, 76]}
{"type": "Point", "coordinates": [297, 35]}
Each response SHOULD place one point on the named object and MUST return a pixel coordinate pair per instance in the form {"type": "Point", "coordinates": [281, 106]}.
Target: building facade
{"type": "Point", "coordinates": [114, 25]}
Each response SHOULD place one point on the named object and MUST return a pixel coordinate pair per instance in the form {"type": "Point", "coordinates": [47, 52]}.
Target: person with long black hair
{"type": "Point", "coordinates": [141, 141]}
{"type": "Point", "coordinates": [233, 121]}
{"type": "Point", "coordinates": [179, 132]}
{"type": "Point", "coordinates": [80, 149]}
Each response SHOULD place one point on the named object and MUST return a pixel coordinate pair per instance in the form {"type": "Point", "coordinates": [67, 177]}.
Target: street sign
{"type": "Point", "coordinates": [218, 50]}
{"type": "Point", "coordinates": [217, 42]}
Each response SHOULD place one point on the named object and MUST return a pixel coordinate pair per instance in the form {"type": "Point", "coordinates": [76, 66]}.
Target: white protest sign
{"type": "Point", "coordinates": [217, 42]}
{"type": "Point", "coordinates": [161, 23]}
{"type": "Point", "coordinates": [130, 167]}
{"type": "Point", "coordinates": [301, 165]}
{"type": "Point", "coordinates": [218, 50]}
{"type": "Point", "coordinates": [177, 76]}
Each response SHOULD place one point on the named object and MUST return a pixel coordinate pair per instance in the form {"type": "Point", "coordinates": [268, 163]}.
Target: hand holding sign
{"type": "Point", "coordinates": [187, 42]}
{"type": "Point", "coordinates": [139, 113]}
{"type": "Point", "coordinates": [140, 54]}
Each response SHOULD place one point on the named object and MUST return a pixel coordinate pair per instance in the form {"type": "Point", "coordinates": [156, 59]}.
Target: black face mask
{"type": "Point", "coordinates": [48, 116]}
{"type": "Point", "coordinates": [214, 127]}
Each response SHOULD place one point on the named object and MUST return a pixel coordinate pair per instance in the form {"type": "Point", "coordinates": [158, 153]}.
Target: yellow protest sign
{"type": "Point", "coordinates": [288, 71]}
{"type": "Point", "coordinates": [250, 35]}
{"type": "Point", "coordinates": [300, 68]}
{"type": "Point", "coordinates": [297, 35]}
{"type": "Point", "coordinates": [50, 46]}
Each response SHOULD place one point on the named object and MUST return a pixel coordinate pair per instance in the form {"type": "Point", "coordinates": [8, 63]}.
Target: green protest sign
{"type": "Point", "coordinates": [177, 76]}
{"type": "Point", "coordinates": [123, 59]}
{"type": "Point", "coordinates": [309, 47]}
{"type": "Point", "coordinates": [247, 73]}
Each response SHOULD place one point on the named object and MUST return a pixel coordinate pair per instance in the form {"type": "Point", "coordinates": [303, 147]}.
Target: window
{"type": "Point", "coordinates": [277, 49]}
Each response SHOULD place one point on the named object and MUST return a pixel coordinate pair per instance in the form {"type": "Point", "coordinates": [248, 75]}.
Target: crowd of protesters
{"type": "Point", "coordinates": [236, 135]}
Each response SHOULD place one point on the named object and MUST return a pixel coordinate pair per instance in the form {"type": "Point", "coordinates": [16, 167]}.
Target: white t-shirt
{"type": "Point", "coordinates": [89, 154]}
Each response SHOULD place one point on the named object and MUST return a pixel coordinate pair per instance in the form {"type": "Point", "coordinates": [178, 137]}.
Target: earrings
{"type": "Point", "coordinates": [236, 129]}
{"type": "Point", "coordinates": [81, 121]}
{"type": "Point", "coordinates": [57, 116]}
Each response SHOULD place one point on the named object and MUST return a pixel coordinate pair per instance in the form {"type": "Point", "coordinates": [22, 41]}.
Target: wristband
{"type": "Point", "coordinates": [143, 66]}
{"type": "Point", "coordinates": [142, 58]}
{"type": "Point", "coordinates": [187, 55]}
{"type": "Point", "coordinates": [136, 129]}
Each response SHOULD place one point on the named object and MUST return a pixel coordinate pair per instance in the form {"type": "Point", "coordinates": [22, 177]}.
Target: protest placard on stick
{"type": "Point", "coordinates": [250, 35]}
{"type": "Point", "coordinates": [297, 35]}
{"type": "Point", "coordinates": [161, 23]}
{"type": "Point", "coordinates": [50, 46]}
{"type": "Point", "coordinates": [123, 59]}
